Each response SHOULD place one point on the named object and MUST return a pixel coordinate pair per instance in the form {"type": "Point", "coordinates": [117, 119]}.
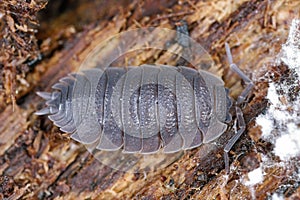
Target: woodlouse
{"type": "Point", "coordinates": [143, 109]}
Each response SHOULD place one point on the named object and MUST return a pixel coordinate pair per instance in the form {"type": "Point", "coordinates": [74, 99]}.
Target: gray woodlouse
{"type": "Point", "coordinates": [143, 109]}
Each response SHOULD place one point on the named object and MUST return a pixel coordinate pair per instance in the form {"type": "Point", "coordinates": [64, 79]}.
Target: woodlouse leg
{"type": "Point", "coordinates": [183, 39]}
{"type": "Point", "coordinates": [241, 98]}
{"type": "Point", "coordinates": [235, 68]}
{"type": "Point", "coordinates": [241, 128]}
{"type": "Point", "coordinates": [183, 34]}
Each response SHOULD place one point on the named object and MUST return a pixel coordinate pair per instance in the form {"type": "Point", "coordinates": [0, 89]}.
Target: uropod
{"type": "Point", "coordinates": [145, 109]}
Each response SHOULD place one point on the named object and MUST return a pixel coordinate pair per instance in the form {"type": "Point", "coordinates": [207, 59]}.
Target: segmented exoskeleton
{"type": "Point", "coordinates": [143, 109]}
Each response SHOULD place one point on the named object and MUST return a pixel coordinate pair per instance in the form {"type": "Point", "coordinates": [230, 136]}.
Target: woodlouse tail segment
{"type": "Point", "coordinates": [84, 118]}
{"type": "Point", "coordinates": [59, 107]}
{"type": "Point", "coordinates": [45, 95]}
{"type": "Point", "coordinates": [49, 97]}
{"type": "Point", "coordinates": [44, 111]}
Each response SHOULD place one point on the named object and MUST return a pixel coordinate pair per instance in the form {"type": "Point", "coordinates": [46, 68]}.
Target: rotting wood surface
{"type": "Point", "coordinates": [38, 162]}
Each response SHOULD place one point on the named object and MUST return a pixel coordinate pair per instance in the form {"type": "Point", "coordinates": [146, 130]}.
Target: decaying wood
{"type": "Point", "coordinates": [37, 161]}
{"type": "Point", "coordinates": [19, 48]}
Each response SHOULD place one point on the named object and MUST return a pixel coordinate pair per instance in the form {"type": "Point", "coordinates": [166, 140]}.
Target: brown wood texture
{"type": "Point", "coordinates": [37, 161]}
{"type": "Point", "coordinates": [19, 48]}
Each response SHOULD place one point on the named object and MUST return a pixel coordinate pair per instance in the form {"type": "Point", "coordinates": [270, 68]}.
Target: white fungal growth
{"type": "Point", "coordinates": [288, 145]}
{"type": "Point", "coordinates": [276, 196]}
{"type": "Point", "coordinates": [291, 49]}
{"type": "Point", "coordinates": [255, 177]}
{"type": "Point", "coordinates": [280, 123]}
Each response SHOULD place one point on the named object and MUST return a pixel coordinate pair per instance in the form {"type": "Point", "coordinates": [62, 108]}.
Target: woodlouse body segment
{"type": "Point", "coordinates": [140, 109]}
